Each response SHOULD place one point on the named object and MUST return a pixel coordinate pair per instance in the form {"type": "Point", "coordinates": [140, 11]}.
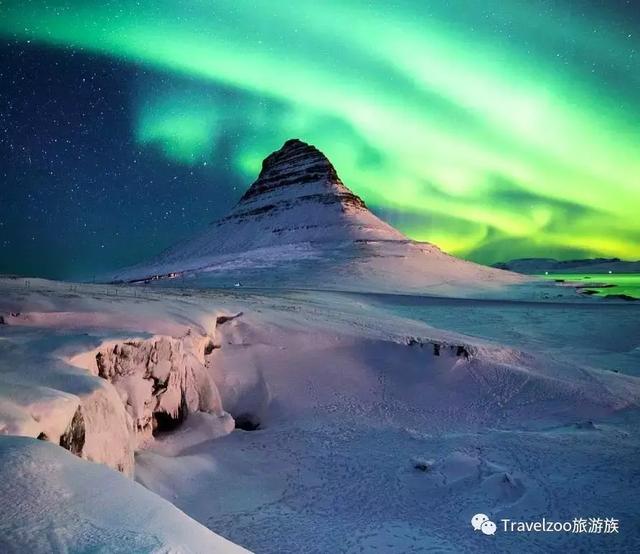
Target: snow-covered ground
{"type": "Point", "coordinates": [51, 501]}
{"type": "Point", "coordinates": [382, 422]}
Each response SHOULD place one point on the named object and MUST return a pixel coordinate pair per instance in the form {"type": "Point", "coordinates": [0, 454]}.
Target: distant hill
{"type": "Point", "coordinates": [532, 266]}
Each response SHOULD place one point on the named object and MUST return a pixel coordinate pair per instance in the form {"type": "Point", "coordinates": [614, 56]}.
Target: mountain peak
{"type": "Point", "coordinates": [295, 170]}
{"type": "Point", "coordinates": [292, 151]}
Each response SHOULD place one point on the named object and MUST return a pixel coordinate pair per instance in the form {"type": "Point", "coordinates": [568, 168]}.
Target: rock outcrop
{"type": "Point", "coordinates": [160, 380]}
{"type": "Point", "coordinates": [74, 436]}
{"type": "Point", "coordinates": [295, 164]}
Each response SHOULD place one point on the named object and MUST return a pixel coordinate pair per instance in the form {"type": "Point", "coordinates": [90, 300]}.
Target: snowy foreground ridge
{"type": "Point", "coordinates": [371, 430]}
{"type": "Point", "coordinates": [53, 502]}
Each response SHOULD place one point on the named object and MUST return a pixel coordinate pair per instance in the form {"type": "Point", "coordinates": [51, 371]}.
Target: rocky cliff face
{"type": "Point", "coordinates": [298, 197]}
{"type": "Point", "coordinates": [286, 172]}
{"type": "Point", "coordinates": [160, 381]}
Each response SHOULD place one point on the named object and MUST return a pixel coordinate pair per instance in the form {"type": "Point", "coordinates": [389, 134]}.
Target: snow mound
{"type": "Point", "coordinates": [43, 398]}
{"type": "Point", "coordinates": [88, 508]}
{"type": "Point", "coordinates": [438, 380]}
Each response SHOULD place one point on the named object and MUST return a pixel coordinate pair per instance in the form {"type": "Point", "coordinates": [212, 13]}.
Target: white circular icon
{"type": "Point", "coordinates": [488, 528]}
{"type": "Point", "coordinates": [478, 520]}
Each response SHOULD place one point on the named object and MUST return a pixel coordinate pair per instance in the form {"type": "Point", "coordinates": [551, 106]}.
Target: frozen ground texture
{"type": "Point", "coordinates": [519, 410]}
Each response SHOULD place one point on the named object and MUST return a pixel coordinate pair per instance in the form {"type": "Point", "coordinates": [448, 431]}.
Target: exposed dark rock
{"type": "Point", "coordinates": [586, 265]}
{"type": "Point", "coordinates": [586, 426]}
{"type": "Point", "coordinates": [508, 479]}
{"type": "Point", "coordinates": [42, 437]}
{"type": "Point", "coordinates": [457, 349]}
{"type": "Point", "coordinates": [73, 438]}
{"type": "Point", "coordinates": [210, 347]}
{"type": "Point", "coordinates": [158, 385]}
{"type": "Point", "coordinates": [222, 319]}
{"type": "Point", "coordinates": [462, 351]}
{"type": "Point", "coordinates": [621, 297]}
{"type": "Point", "coordinates": [422, 465]}
{"type": "Point", "coordinates": [101, 365]}
{"type": "Point", "coordinates": [346, 198]}
{"type": "Point", "coordinates": [294, 164]}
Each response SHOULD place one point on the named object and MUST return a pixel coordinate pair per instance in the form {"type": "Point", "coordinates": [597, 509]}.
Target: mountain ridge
{"type": "Point", "coordinates": [530, 266]}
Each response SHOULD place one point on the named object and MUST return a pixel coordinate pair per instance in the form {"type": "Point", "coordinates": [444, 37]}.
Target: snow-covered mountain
{"type": "Point", "coordinates": [298, 225]}
{"type": "Point", "coordinates": [297, 198]}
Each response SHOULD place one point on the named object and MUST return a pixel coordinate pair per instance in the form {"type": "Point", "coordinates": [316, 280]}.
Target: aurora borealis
{"type": "Point", "coordinates": [494, 129]}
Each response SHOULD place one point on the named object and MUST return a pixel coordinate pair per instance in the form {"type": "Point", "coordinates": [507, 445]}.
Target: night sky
{"type": "Point", "coordinates": [496, 129]}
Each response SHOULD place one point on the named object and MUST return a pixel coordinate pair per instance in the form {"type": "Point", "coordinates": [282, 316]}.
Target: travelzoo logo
{"type": "Point", "coordinates": [592, 525]}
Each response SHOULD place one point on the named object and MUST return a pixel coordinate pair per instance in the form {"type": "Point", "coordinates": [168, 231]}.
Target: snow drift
{"type": "Point", "coordinates": [51, 501]}
{"type": "Point", "coordinates": [103, 402]}
{"type": "Point", "coordinates": [41, 397]}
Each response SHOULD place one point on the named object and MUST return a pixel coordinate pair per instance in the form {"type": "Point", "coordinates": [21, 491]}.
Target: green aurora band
{"type": "Point", "coordinates": [494, 129]}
